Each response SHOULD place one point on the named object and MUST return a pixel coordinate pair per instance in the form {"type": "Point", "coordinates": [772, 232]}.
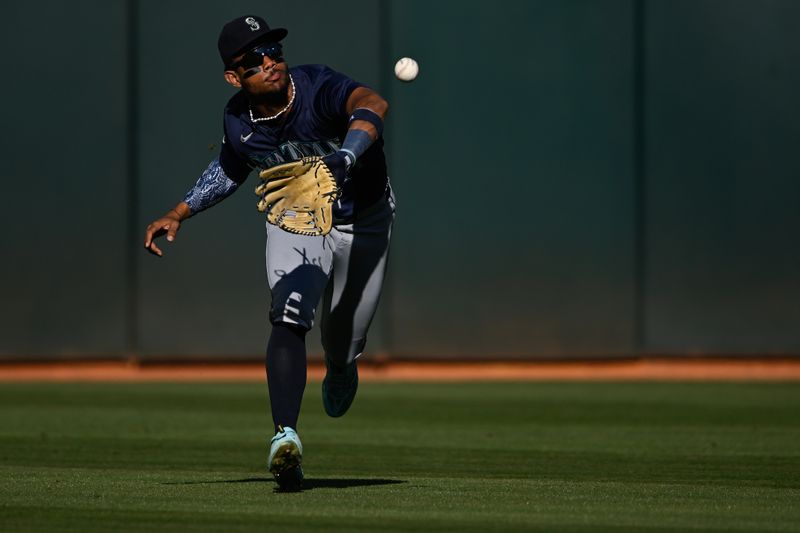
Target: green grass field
{"type": "Point", "coordinates": [527, 456]}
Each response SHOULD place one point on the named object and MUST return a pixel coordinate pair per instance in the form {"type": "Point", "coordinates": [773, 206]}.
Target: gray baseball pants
{"type": "Point", "coordinates": [344, 270]}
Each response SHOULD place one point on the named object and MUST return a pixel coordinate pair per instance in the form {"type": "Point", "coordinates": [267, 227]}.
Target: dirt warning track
{"type": "Point", "coordinates": [656, 369]}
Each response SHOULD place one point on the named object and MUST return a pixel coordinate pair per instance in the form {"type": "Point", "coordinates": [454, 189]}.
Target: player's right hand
{"type": "Point", "coordinates": [166, 225]}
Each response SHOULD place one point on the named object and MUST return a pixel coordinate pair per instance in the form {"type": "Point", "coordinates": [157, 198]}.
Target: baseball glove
{"type": "Point", "coordinates": [299, 196]}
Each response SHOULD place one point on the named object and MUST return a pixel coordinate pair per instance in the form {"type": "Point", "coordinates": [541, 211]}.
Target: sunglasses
{"type": "Point", "coordinates": [255, 57]}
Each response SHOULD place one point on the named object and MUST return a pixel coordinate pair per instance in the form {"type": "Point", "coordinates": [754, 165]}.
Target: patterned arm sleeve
{"type": "Point", "coordinates": [212, 187]}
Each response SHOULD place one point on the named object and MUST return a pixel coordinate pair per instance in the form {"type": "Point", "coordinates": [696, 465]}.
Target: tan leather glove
{"type": "Point", "coordinates": [299, 196]}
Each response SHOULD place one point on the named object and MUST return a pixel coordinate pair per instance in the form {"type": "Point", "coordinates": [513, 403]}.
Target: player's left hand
{"type": "Point", "coordinates": [337, 163]}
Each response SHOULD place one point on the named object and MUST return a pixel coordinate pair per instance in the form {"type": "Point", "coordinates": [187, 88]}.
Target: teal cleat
{"type": "Point", "coordinates": [339, 388]}
{"type": "Point", "coordinates": [285, 457]}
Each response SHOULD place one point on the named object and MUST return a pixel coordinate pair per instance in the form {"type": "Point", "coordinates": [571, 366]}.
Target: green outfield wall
{"type": "Point", "coordinates": [575, 178]}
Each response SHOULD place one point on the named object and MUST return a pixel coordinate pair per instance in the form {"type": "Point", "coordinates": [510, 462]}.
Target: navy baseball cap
{"type": "Point", "coordinates": [243, 33]}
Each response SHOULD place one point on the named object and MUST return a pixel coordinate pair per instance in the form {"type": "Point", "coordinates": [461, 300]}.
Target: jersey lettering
{"type": "Point", "coordinates": [294, 151]}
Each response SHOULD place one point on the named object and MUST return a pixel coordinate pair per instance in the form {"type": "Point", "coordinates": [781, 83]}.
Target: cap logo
{"type": "Point", "coordinates": [254, 26]}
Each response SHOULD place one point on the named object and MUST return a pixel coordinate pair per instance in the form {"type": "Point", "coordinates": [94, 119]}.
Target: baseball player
{"type": "Point", "coordinates": [328, 240]}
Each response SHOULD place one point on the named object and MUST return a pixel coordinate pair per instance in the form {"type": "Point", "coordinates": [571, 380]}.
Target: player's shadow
{"type": "Point", "coordinates": [308, 483]}
{"type": "Point", "coordinates": [319, 483]}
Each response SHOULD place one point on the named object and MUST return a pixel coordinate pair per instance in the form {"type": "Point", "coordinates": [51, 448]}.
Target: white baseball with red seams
{"type": "Point", "coordinates": [406, 69]}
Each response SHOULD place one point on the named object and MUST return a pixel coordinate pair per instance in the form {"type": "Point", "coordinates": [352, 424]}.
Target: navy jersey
{"type": "Point", "coordinates": [315, 126]}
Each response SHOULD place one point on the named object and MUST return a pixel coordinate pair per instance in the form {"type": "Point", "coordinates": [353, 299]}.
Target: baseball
{"type": "Point", "coordinates": [406, 69]}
